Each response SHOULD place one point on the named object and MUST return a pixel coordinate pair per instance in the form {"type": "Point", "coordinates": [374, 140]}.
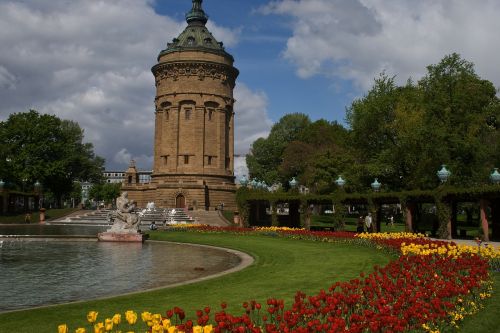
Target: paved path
{"type": "Point", "coordinates": [468, 242]}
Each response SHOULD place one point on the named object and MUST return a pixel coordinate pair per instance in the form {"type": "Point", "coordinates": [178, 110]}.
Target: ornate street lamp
{"type": "Point", "coordinates": [376, 185]}
{"type": "Point", "coordinates": [495, 176]}
{"type": "Point", "coordinates": [253, 183]}
{"type": "Point", "coordinates": [244, 181]}
{"type": "Point", "coordinates": [38, 189]}
{"type": "Point", "coordinates": [340, 182]}
{"type": "Point", "coordinates": [443, 174]}
{"type": "Point", "coordinates": [293, 183]}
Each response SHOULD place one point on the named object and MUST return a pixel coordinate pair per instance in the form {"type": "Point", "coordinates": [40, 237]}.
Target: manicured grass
{"type": "Point", "coordinates": [35, 217]}
{"type": "Point", "coordinates": [486, 320]}
{"type": "Point", "coordinates": [281, 267]}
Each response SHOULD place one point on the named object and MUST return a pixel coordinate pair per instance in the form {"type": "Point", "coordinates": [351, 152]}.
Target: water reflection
{"type": "Point", "coordinates": [47, 229]}
{"type": "Point", "coordinates": [39, 273]}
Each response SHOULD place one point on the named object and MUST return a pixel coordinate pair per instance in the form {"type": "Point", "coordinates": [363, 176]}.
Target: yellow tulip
{"type": "Point", "coordinates": [172, 329]}
{"type": "Point", "coordinates": [80, 330]}
{"type": "Point", "coordinates": [208, 329]}
{"type": "Point", "coordinates": [99, 328]}
{"type": "Point", "coordinates": [146, 316]}
{"type": "Point", "coordinates": [92, 316]}
{"type": "Point", "coordinates": [166, 323]}
{"type": "Point", "coordinates": [108, 324]}
{"type": "Point", "coordinates": [131, 317]}
{"type": "Point", "coordinates": [197, 329]}
{"type": "Point", "coordinates": [157, 329]}
{"type": "Point", "coordinates": [117, 319]}
{"type": "Point", "coordinates": [63, 328]}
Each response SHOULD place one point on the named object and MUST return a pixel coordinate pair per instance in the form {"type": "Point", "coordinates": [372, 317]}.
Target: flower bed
{"type": "Point", "coordinates": [431, 286]}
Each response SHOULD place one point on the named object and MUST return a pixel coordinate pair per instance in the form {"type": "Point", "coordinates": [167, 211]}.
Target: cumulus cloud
{"type": "Point", "coordinates": [89, 61]}
{"type": "Point", "coordinates": [251, 122]}
{"type": "Point", "coordinates": [357, 39]}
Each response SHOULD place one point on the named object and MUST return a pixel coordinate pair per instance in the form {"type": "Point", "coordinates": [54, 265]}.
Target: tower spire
{"type": "Point", "coordinates": [196, 14]}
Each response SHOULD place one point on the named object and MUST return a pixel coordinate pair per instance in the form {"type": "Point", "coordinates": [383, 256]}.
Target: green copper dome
{"type": "Point", "coordinates": [196, 36]}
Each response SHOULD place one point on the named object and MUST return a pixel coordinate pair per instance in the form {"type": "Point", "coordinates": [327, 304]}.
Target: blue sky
{"type": "Point", "coordinates": [90, 60]}
{"type": "Point", "coordinates": [259, 56]}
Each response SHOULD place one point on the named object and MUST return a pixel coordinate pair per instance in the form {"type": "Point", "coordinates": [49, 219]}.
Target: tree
{"type": "Point", "coordinates": [403, 134]}
{"type": "Point", "coordinates": [318, 155]}
{"type": "Point", "coordinates": [44, 148]}
{"type": "Point", "coordinates": [106, 192]}
{"type": "Point", "coordinates": [266, 154]}
{"type": "Point", "coordinates": [460, 112]}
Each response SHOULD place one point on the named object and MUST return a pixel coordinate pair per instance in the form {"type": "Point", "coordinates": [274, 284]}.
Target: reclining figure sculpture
{"type": "Point", "coordinates": [124, 218]}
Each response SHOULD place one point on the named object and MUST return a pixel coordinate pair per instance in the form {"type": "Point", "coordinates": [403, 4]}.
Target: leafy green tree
{"type": "Point", "coordinates": [403, 134]}
{"type": "Point", "coordinates": [106, 192]}
{"type": "Point", "coordinates": [266, 154]}
{"type": "Point", "coordinates": [460, 111]}
{"type": "Point", "coordinates": [317, 157]}
{"type": "Point", "coordinates": [44, 148]}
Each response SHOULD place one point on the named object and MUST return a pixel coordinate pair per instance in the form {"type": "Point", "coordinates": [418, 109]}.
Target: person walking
{"type": "Point", "coordinates": [368, 223]}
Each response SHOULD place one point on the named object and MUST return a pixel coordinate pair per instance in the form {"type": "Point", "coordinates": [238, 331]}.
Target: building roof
{"type": "Point", "coordinates": [196, 36]}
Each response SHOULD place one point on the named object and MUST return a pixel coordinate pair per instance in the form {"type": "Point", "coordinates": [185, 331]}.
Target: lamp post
{"type": "Point", "coordinates": [293, 183]}
{"type": "Point", "coordinates": [443, 174]}
{"type": "Point", "coordinates": [340, 182]}
{"type": "Point", "coordinates": [38, 190]}
{"type": "Point", "coordinates": [376, 185]}
{"type": "Point", "coordinates": [244, 181]}
{"type": "Point", "coordinates": [495, 176]}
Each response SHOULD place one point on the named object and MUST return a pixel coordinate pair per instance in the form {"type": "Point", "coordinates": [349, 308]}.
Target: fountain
{"type": "Point", "coordinates": [126, 222]}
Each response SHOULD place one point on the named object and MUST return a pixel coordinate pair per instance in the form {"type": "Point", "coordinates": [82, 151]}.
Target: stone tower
{"type": "Point", "coordinates": [194, 122]}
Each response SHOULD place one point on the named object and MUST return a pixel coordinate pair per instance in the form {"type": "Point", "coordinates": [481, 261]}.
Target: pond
{"type": "Point", "coordinates": [36, 273]}
{"type": "Point", "coordinates": [51, 229]}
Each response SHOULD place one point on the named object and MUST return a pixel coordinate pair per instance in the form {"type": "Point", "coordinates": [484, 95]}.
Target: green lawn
{"type": "Point", "coordinates": [281, 267]}
{"type": "Point", "coordinates": [35, 217]}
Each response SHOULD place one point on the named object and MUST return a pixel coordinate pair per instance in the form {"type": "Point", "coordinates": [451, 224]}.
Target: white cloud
{"type": "Point", "coordinates": [89, 61]}
{"type": "Point", "coordinates": [357, 39]}
{"type": "Point", "coordinates": [251, 122]}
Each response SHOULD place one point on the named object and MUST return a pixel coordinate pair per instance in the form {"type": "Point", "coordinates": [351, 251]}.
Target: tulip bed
{"type": "Point", "coordinates": [430, 286]}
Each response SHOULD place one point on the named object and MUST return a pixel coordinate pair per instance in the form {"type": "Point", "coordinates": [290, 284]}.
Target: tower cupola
{"type": "Point", "coordinates": [196, 15]}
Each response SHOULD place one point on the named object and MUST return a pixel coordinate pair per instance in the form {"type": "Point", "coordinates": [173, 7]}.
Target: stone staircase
{"type": "Point", "coordinates": [166, 216]}
{"type": "Point", "coordinates": [96, 217]}
{"type": "Point", "coordinates": [209, 217]}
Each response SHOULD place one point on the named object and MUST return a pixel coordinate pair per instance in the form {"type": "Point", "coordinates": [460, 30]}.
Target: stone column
{"type": "Point", "coordinates": [409, 217]}
{"type": "Point", "coordinates": [483, 205]}
{"type": "Point", "coordinates": [274, 214]}
{"type": "Point", "coordinates": [42, 215]}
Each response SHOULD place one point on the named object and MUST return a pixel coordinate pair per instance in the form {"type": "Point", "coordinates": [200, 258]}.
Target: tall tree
{"type": "Point", "coordinates": [266, 154]}
{"type": "Point", "coordinates": [44, 148]}
{"type": "Point", "coordinates": [459, 109]}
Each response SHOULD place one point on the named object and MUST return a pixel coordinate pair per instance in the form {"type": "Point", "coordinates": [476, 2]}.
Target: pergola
{"type": "Point", "coordinates": [258, 207]}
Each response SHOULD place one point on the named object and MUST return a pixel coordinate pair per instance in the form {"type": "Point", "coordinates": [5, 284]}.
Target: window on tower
{"type": "Point", "coordinates": [190, 41]}
{"type": "Point", "coordinates": [187, 114]}
{"type": "Point", "coordinates": [209, 160]}
{"type": "Point", "coordinates": [210, 114]}
{"type": "Point", "coordinates": [186, 159]}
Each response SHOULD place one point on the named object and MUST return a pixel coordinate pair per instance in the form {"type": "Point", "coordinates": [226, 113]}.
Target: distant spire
{"type": "Point", "coordinates": [196, 15]}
